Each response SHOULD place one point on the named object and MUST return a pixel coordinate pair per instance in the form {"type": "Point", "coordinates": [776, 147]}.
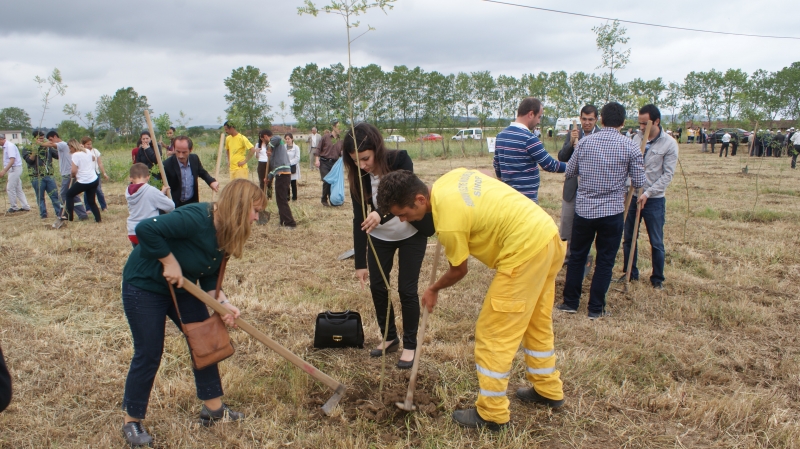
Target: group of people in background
{"type": "Point", "coordinates": [80, 169]}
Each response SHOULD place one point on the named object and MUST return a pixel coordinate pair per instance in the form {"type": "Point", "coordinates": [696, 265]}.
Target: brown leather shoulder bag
{"type": "Point", "coordinates": [209, 342]}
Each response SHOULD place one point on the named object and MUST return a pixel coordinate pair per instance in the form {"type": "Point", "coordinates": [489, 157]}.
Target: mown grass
{"type": "Point", "coordinates": [713, 362]}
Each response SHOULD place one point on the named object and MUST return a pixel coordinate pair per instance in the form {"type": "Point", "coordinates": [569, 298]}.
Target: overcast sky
{"type": "Point", "coordinates": [178, 52]}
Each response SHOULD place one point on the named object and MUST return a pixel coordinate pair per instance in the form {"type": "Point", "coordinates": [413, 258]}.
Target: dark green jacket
{"type": "Point", "coordinates": [189, 234]}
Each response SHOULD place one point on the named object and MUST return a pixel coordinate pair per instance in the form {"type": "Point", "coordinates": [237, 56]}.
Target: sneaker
{"type": "Point", "coordinates": [209, 418]}
{"type": "Point", "coordinates": [11, 210]}
{"type": "Point", "coordinates": [135, 435]}
{"type": "Point", "coordinates": [530, 395]}
{"type": "Point", "coordinates": [565, 308]}
{"type": "Point", "coordinates": [658, 286]}
{"type": "Point", "coordinates": [325, 204]}
{"type": "Point", "coordinates": [595, 315]}
{"type": "Point", "coordinates": [471, 419]}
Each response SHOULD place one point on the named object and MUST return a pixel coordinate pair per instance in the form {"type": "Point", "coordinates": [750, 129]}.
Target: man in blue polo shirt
{"type": "Point", "coordinates": [518, 153]}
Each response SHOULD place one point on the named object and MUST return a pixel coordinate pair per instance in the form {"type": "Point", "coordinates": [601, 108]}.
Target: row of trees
{"type": "Point", "coordinates": [409, 99]}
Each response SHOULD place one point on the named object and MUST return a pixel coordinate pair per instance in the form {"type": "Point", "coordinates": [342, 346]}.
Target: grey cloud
{"type": "Point", "coordinates": [179, 61]}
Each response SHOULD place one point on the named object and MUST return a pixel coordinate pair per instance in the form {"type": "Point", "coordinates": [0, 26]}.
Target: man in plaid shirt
{"type": "Point", "coordinates": [603, 160]}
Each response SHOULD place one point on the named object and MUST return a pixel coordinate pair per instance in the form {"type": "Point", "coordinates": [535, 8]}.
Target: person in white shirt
{"type": "Point", "coordinates": [98, 168]}
{"type": "Point", "coordinates": [313, 145]}
{"type": "Point", "coordinates": [726, 140]}
{"type": "Point", "coordinates": [261, 153]}
{"type": "Point", "coordinates": [84, 179]}
{"type": "Point", "coordinates": [795, 149]}
{"type": "Point", "coordinates": [293, 151]}
{"type": "Point", "coordinates": [12, 165]}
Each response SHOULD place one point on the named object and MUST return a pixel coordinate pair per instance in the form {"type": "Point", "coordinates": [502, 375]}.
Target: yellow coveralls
{"type": "Point", "coordinates": [237, 147]}
{"type": "Point", "coordinates": [480, 216]}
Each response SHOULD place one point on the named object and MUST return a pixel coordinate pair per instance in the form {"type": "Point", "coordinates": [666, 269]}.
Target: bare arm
{"type": "Point", "coordinates": [11, 161]}
{"type": "Point", "coordinates": [102, 169]}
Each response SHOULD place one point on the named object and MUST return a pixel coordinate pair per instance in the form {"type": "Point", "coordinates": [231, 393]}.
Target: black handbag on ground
{"type": "Point", "coordinates": [338, 330]}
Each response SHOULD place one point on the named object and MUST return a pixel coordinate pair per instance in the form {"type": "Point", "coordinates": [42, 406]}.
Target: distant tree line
{"type": "Point", "coordinates": [408, 99]}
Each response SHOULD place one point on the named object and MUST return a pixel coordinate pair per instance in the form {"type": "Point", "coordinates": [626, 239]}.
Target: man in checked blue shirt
{"type": "Point", "coordinates": [660, 159]}
{"type": "Point", "coordinates": [519, 153]}
{"type": "Point", "coordinates": [603, 160]}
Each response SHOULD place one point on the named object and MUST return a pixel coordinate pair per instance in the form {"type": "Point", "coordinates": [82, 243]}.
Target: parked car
{"type": "Point", "coordinates": [431, 137]}
{"type": "Point", "coordinates": [395, 138]}
{"type": "Point", "coordinates": [716, 137]}
{"type": "Point", "coordinates": [469, 133]}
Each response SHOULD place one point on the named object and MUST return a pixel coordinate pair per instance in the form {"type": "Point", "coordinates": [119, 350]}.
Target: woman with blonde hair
{"type": "Point", "coordinates": [190, 242]}
{"type": "Point", "coordinates": [84, 179]}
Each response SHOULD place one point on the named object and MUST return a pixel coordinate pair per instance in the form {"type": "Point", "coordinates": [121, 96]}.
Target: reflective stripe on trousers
{"type": "Point", "coordinates": [518, 309]}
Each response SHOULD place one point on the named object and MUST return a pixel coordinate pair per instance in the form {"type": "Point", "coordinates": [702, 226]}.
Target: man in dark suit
{"type": "Point", "coordinates": [587, 127]}
{"type": "Point", "coordinates": [183, 169]}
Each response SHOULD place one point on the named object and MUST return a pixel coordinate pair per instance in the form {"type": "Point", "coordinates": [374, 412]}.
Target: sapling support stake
{"type": "Point", "coordinates": [219, 158]}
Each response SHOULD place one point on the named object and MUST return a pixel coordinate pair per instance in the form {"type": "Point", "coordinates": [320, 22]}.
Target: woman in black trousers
{"type": "Point", "coordinates": [262, 148]}
{"type": "Point", "coordinates": [389, 236]}
{"type": "Point", "coordinates": [84, 179]}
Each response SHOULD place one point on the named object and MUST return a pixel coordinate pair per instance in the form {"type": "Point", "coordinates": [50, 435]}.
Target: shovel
{"type": "Point", "coordinates": [264, 214]}
{"type": "Point", "coordinates": [408, 405]}
{"type": "Point", "coordinates": [634, 239]}
{"type": "Point", "coordinates": [337, 387]}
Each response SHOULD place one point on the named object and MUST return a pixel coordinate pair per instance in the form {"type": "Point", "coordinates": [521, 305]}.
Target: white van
{"type": "Point", "coordinates": [563, 124]}
{"type": "Point", "coordinates": [470, 133]}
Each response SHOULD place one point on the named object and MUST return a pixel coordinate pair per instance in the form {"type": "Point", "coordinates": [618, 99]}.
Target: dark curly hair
{"type": "Point", "coordinates": [400, 188]}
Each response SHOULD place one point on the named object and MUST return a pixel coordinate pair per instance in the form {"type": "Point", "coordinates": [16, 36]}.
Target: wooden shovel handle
{"type": "Point", "coordinates": [156, 148]}
{"type": "Point", "coordinates": [198, 293]}
{"type": "Point", "coordinates": [412, 381]}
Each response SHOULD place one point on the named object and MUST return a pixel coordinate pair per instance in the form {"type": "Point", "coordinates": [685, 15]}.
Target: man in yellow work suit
{"type": "Point", "coordinates": [239, 151]}
{"type": "Point", "coordinates": [475, 214]}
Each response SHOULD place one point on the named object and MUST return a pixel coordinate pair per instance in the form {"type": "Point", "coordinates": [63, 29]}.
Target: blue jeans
{"type": "Point", "coordinates": [101, 198]}
{"type": "Point", "coordinates": [79, 209]}
{"type": "Point", "coordinates": [146, 313]}
{"type": "Point", "coordinates": [653, 213]}
{"type": "Point", "coordinates": [606, 232]}
{"type": "Point", "coordinates": [47, 185]}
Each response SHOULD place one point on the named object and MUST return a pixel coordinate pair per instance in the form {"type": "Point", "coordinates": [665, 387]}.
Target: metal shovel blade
{"type": "Point", "coordinates": [263, 217]}
{"type": "Point", "coordinates": [333, 401]}
{"type": "Point", "coordinates": [347, 254]}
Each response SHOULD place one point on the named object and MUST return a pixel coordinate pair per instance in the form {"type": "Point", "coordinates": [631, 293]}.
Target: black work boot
{"type": "Point", "coordinates": [530, 395]}
{"type": "Point", "coordinates": [470, 418]}
{"type": "Point", "coordinates": [209, 418]}
{"type": "Point", "coordinates": [135, 435]}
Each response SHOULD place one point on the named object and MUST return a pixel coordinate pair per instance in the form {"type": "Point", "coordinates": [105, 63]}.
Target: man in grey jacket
{"type": "Point", "coordinates": [660, 159]}
{"type": "Point", "coordinates": [588, 126]}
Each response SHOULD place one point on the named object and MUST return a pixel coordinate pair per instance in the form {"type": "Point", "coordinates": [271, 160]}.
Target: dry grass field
{"type": "Point", "coordinates": [712, 362]}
